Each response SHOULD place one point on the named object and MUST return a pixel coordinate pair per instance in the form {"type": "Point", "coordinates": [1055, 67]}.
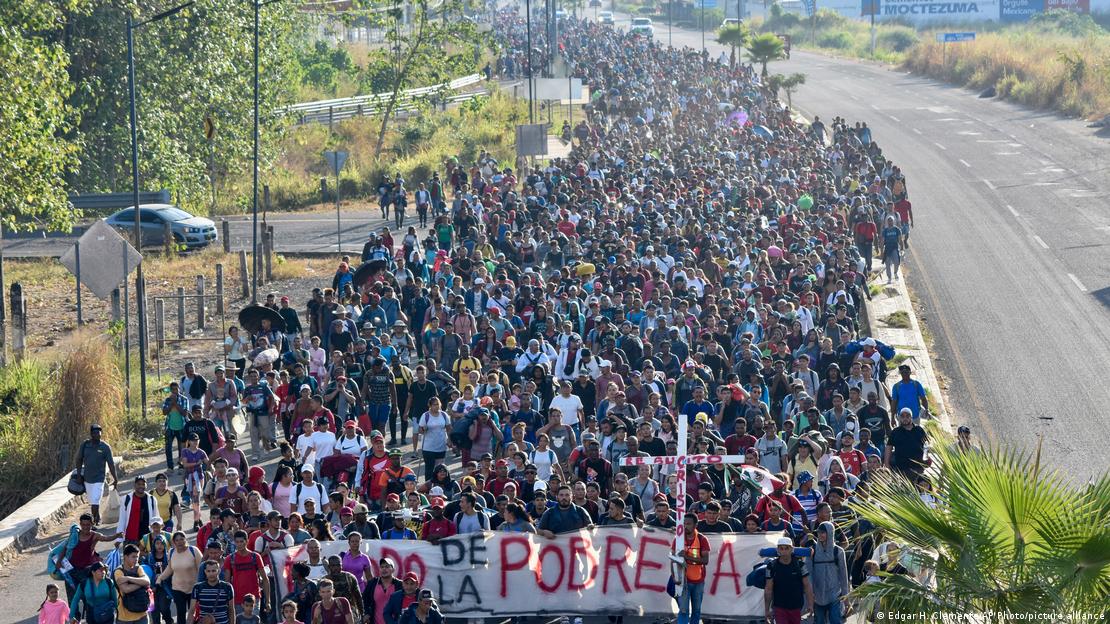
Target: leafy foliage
{"type": "Point", "coordinates": [35, 155]}
{"type": "Point", "coordinates": [765, 48]}
{"type": "Point", "coordinates": [734, 36]}
{"type": "Point", "coordinates": [1006, 537]}
{"type": "Point", "coordinates": [788, 83]}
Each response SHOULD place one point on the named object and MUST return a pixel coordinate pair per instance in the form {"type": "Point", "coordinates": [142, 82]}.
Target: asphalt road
{"type": "Point", "coordinates": [293, 232]}
{"type": "Point", "coordinates": [1010, 258]}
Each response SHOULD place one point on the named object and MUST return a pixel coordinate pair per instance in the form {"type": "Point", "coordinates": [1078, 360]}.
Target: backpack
{"type": "Point", "coordinates": [138, 600]}
{"type": "Point", "coordinates": [101, 613]}
{"type": "Point", "coordinates": [758, 576]}
{"type": "Point", "coordinates": [319, 501]}
{"type": "Point", "coordinates": [483, 519]}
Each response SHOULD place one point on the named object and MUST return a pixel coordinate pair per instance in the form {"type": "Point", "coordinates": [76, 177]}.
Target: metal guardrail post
{"type": "Point", "coordinates": [226, 227]}
{"type": "Point", "coordinates": [268, 242]}
{"type": "Point", "coordinates": [117, 312]}
{"type": "Point", "coordinates": [19, 321]}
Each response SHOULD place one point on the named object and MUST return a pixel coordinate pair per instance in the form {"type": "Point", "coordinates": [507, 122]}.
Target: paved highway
{"type": "Point", "coordinates": [1011, 251]}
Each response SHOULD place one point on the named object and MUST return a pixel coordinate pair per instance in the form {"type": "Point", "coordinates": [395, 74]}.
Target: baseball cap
{"type": "Point", "coordinates": [436, 491]}
{"type": "Point", "coordinates": [393, 497]}
{"type": "Point", "coordinates": [784, 541]}
{"type": "Point", "coordinates": [413, 577]}
{"type": "Point", "coordinates": [308, 468]}
{"type": "Point", "coordinates": [395, 452]}
{"type": "Point", "coordinates": [437, 502]}
{"type": "Point", "coordinates": [350, 423]}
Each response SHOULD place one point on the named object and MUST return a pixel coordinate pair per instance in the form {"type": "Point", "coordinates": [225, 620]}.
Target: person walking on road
{"type": "Point", "coordinates": [788, 587]}
{"type": "Point", "coordinates": [892, 248]}
{"type": "Point", "coordinates": [94, 458]}
{"type": "Point", "coordinates": [828, 572]}
{"type": "Point", "coordinates": [695, 554]}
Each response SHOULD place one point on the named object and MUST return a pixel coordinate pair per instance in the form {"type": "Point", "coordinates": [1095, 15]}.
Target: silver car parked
{"type": "Point", "coordinates": [186, 229]}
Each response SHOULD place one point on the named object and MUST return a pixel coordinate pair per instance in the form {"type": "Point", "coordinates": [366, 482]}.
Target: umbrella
{"type": "Point", "coordinates": [738, 117]}
{"type": "Point", "coordinates": [366, 271]}
{"type": "Point", "coordinates": [250, 318]}
{"type": "Point", "coordinates": [764, 132]}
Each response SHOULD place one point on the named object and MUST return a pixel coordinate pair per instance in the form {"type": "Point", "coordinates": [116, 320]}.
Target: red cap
{"type": "Point", "coordinates": [350, 423]}
{"type": "Point", "coordinates": [660, 497]}
{"type": "Point", "coordinates": [437, 502]}
{"type": "Point", "coordinates": [377, 437]}
{"type": "Point", "coordinates": [413, 576]}
{"type": "Point", "coordinates": [502, 462]}
{"type": "Point", "coordinates": [393, 497]}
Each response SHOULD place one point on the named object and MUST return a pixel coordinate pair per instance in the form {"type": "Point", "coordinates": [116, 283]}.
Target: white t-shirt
{"type": "Point", "coordinates": [237, 345]}
{"type": "Point", "coordinates": [543, 461]}
{"type": "Point", "coordinates": [434, 438]}
{"type": "Point", "coordinates": [569, 407]}
{"type": "Point", "coordinates": [306, 450]}
{"type": "Point", "coordinates": [315, 491]}
{"type": "Point", "coordinates": [324, 441]}
{"type": "Point", "coordinates": [351, 446]}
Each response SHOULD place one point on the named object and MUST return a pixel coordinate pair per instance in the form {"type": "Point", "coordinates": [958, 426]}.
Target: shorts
{"type": "Point", "coordinates": [905, 229]}
{"type": "Point", "coordinates": [95, 491]}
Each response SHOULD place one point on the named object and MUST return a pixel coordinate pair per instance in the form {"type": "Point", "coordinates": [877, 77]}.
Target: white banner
{"type": "Point", "coordinates": [614, 571]}
{"type": "Point", "coordinates": [926, 11]}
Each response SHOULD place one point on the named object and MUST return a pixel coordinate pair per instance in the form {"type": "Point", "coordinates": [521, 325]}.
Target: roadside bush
{"type": "Point", "coordinates": [45, 414]}
{"type": "Point", "coordinates": [835, 40]}
{"type": "Point", "coordinates": [897, 39]}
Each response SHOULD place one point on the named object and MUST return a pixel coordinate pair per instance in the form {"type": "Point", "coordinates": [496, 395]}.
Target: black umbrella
{"type": "Point", "coordinates": [250, 318]}
{"type": "Point", "coordinates": [366, 270]}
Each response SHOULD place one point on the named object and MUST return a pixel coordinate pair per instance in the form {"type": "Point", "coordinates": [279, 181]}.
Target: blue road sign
{"type": "Point", "coordinates": [955, 37]}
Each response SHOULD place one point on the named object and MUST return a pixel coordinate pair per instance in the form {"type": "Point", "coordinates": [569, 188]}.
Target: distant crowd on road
{"type": "Point", "coordinates": [701, 255]}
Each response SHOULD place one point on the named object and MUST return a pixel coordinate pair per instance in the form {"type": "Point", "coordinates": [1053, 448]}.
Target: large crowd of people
{"type": "Point", "coordinates": [701, 255]}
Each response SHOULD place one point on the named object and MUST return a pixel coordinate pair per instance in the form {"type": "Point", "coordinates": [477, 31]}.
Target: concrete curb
{"type": "Point", "coordinates": [19, 530]}
{"type": "Point", "coordinates": [909, 342]}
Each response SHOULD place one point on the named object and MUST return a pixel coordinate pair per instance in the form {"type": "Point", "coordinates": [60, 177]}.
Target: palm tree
{"type": "Point", "coordinates": [788, 83]}
{"type": "Point", "coordinates": [1006, 536]}
{"type": "Point", "coordinates": [734, 36]}
{"type": "Point", "coordinates": [763, 49]}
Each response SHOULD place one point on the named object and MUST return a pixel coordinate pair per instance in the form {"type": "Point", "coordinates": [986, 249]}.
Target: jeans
{"type": "Point", "coordinates": [689, 603]}
{"type": "Point", "coordinates": [171, 436]}
{"type": "Point", "coordinates": [181, 602]}
{"type": "Point", "coordinates": [263, 430]}
{"type": "Point", "coordinates": [828, 614]}
{"type": "Point", "coordinates": [431, 459]}
{"type": "Point", "coordinates": [378, 415]}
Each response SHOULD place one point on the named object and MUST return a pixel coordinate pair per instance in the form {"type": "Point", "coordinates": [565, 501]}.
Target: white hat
{"type": "Point", "coordinates": [785, 541]}
{"type": "Point", "coordinates": [436, 491]}
{"type": "Point", "coordinates": [868, 342]}
{"type": "Point", "coordinates": [157, 520]}
{"type": "Point", "coordinates": [604, 363]}
{"type": "Point", "coordinates": [479, 281]}
{"type": "Point", "coordinates": [308, 468]}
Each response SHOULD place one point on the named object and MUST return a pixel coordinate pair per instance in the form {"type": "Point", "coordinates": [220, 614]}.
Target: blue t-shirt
{"type": "Point", "coordinates": [692, 408]}
{"type": "Point", "coordinates": [891, 236]}
{"type": "Point", "coordinates": [908, 395]}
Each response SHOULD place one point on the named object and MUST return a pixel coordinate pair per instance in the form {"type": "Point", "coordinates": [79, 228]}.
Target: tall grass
{"type": "Point", "coordinates": [1051, 70]}
{"type": "Point", "coordinates": [45, 413]}
{"type": "Point", "coordinates": [415, 147]}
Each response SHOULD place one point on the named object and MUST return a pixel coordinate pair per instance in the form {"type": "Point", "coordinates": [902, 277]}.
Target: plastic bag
{"type": "Point", "coordinates": [109, 502]}
{"type": "Point", "coordinates": [239, 423]}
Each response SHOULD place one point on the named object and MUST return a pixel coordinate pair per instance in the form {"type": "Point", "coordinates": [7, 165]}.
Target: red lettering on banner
{"type": "Point", "coordinates": [644, 563]}
{"type": "Point", "coordinates": [726, 556]}
{"type": "Point", "coordinates": [550, 548]}
{"type": "Point", "coordinates": [582, 546]}
{"type": "Point", "coordinates": [508, 565]}
{"type": "Point", "coordinates": [619, 563]}
{"type": "Point", "coordinates": [415, 563]}
{"type": "Point", "coordinates": [397, 561]}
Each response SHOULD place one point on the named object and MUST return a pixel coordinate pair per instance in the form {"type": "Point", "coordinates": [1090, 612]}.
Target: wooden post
{"type": "Point", "coordinates": [331, 118]}
{"type": "Point", "coordinates": [226, 231]}
{"type": "Point", "coordinates": [160, 323]}
{"type": "Point", "coordinates": [200, 302]}
{"type": "Point", "coordinates": [117, 312]}
{"type": "Point", "coordinates": [219, 289]}
{"type": "Point", "coordinates": [245, 274]}
{"type": "Point", "coordinates": [268, 246]}
{"type": "Point", "coordinates": [19, 321]}
{"type": "Point", "coordinates": [180, 312]}
{"type": "Point", "coordinates": [167, 235]}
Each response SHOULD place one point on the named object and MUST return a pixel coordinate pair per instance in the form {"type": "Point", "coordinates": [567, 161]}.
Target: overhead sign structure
{"type": "Point", "coordinates": [101, 259]}
{"type": "Point", "coordinates": [955, 37]}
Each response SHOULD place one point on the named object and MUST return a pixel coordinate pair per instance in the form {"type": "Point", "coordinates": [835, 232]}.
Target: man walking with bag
{"type": "Point", "coordinates": [93, 457]}
{"type": "Point", "coordinates": [828, 572]}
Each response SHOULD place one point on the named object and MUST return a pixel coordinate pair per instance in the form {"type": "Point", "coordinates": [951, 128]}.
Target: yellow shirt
{"type": "Point", "coordinates": [123, 615]}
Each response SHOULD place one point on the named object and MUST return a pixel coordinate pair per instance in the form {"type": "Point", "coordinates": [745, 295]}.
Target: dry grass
{"type": "Point", "coordinates": [45, 412]}
{"type": "Point", "coordinates": [1054, 71]}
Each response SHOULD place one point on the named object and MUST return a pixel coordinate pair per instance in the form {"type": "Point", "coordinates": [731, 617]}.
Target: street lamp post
{"type": "Point", "coordinates": [140, 287]}
{"type": "Point", "coordinates": [256, 260]}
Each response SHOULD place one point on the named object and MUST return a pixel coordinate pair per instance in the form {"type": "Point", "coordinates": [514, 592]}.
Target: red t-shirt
{"type": "Point", "coordinates": [866, 230]}
{"type": "Point", "coordinates": [853, 461]}
{"type": "Point", "coordinates": [902, 207]}
{"type": "Point", "coordinates": [437, 528]}
{"type": "Point", "coordinates": [737, 444]}
{"type": "Point", "coordinates": [241, 570]}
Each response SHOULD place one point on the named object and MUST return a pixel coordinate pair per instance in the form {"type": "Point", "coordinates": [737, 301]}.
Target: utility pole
{"type": "Point", "coordinates": [528, 37]}
{"type": "Point", "coordinates": [140, 308]}
{"type": "Point", "coordinates": [3, 306]}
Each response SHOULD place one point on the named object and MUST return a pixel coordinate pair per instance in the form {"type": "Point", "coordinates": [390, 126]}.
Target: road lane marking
{"type": "Point", "coordinates": [991, 186]}
{"type": "Point", "coordinates": [917, 131]}
{"type": "Point", "coordinates": [895, 119]}
{"type": "Point", "coordinates": [1078, 284]}
{"type": "Point", "coordinates": [1011, 209]}
{"type": "Point", "coordinates": [873, 107]}
{"type": "Point", "coordinates": [965, 163]}
{"type": "Point", "coordinates": [1040, 241]}
{"type": "Point", "coordinates": [940, 146]}
{"type": "Point", "coordinates": [991, 141]}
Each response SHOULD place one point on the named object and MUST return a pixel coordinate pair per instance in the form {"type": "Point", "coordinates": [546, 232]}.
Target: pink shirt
{"type": "Point", "coordinates": [382, 592]}
{"type": "Point", "coordinates": [281, 498]}
{"type": "Point", "coordinates": [56, 612]}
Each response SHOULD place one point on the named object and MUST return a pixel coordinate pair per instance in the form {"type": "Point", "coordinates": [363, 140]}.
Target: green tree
{"type": "Point", "coordinates": [425, 51]}
{"type": "Point", "coordinates": [734, 36]}
{"type": "Point", "coordinates": [788, 83]}
{"type": "Point", "coordinates": [35, 153]}
{"type": "Point", "coordinates": [763, 49]}
{"type": "Point", "coordinates": [198, 64]}
{"type": "Point", "coordinates": [1006, 536]}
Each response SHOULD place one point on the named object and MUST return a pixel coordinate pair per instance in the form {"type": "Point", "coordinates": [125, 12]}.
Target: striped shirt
{"type": "Point", "coordinates": [213, 599]}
